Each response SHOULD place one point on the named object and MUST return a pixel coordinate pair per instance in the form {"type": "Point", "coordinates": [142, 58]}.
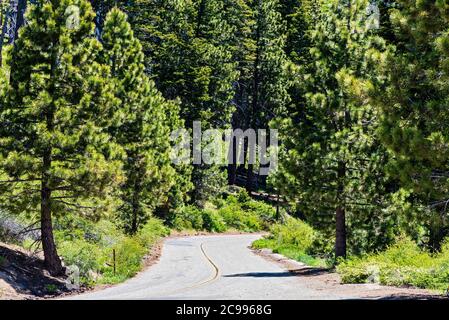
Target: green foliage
{"type": "Point", "coordinates": [55, 152]}
{"type": "Point", "coordinates": [189, 50]}
{"type": "Point", "coordinates": [412, 100]}
{"type": "Point", "coordinates": [87, 256]}
{"type": "Point", "coordinates": [65, 104]}
{"type": "Point", "coordinates": [129, 255]}
{"type": "Point", "coordinates": [187, 218]}
{"type": "Point", "coordinates": [294, 232]}
{"type": "Point", "coordinates": [213, 221]}
{"type": "Point", "coordinates": [89, 246]}
{"type": "Point", "coordinates": [403, 263]}
{"type": "Point", "coordinates": [236, 212]}
{"type": "Point", "coordinates": [143, 130]}
{"type": "Point", "coordinates": [293, 239]}
{"type": "Point", "coordinates": [151, 232]}
{"type": "Point", "coordinates": [331, 160]}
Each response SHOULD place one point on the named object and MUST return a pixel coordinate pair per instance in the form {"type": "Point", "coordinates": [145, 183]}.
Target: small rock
{"type": "Point", "coordinates": [278, 257]}
{"type": "Point", "coordinates": [296, 264]}
{"type": "Point", "coordinates": [266, 251]}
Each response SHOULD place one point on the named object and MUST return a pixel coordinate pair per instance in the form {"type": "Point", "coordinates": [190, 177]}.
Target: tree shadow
{"type": "Point", "coordinates": [413, 297]}
{"type": "Point", "coordinates": [27, 275]}
{"type": "Point", "coordinates": [305, 272]}
{"type": "Point", "coordinates": [310, 272]}
{"type": "Point", "coordinates": [260, 275]}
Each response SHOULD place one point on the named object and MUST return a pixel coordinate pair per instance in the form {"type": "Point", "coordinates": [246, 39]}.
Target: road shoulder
{"type": "Point", "coordinates": [321, 279]}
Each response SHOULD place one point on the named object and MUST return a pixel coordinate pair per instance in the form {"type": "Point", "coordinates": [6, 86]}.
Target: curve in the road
{"type": "Point", "coordinates": [215, 276]}
{"type": "Point", "coordinates": [212, 268]}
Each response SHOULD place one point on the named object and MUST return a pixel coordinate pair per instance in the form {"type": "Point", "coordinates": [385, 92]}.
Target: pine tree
{"type": "Point", "coordinates": [413, 101]}
{"type": "Point", "coordinates": [144, 132]}
{"type": "Point", "coordinates": [189, 47]}
{"type": "Point", "coordinates": [56, 156]}
{"type": "Point", "coordinates": [268, 85]}
{"type": "Point", "coordinates": [332, 163]}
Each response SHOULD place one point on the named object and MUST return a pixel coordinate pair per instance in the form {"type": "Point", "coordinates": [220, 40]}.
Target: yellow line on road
{"type": "Point", "coordinates": [201, 283]}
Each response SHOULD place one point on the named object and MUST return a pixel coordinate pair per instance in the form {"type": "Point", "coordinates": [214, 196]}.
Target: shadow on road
{"type": "Point", "coordinates": [305, 272]}
{"type": "Point", "coordinates": [414, 297]}
{"type": "Point", "coordinates": [310, 272]}
{"type": "Point", "coordinates": [260, 275]}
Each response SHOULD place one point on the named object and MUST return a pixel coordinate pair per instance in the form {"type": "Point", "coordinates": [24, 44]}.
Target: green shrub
{"type": "Point", "coordinates": [91, 247]}
{"type": "Point", "coordinates": [213, 222]}
{"type": "Point", "coordinates": [294, 232]}
{"type": "Point", "coordinates": [323, 246]}
{"type": "Point", "coordinates": [293, 239]}
{"type": "Point", "coordinates": [235, 217]}
{"type": "Point", "coordinates": [86, 256]}
{"type": "Point", "coordinates": [243, 196]}
{"type": "Point", "coordinates": [187, 218]}
{"type": "Point", "coordinates": [403, 263]}
{"type": "Point", "coordinates": [151, 232]}
{"type": "Point", "coordinates": [129, 254]}
{"type": "Point", "coordinates": [266, 213]}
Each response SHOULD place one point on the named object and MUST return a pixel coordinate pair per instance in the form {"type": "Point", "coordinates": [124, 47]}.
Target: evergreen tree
{"type": "Point", "coordinates": [413, 100]}
{"type": "Point", "coordinates": [56, 156]}
{"type": "Point", "coordinates": [144, 132]}
{"type": "Point", "coordinates": [189, 50]}
{"type": "Point", "coordinates": [263, 79]}
{"type": "Point", "coordinates": [332, 163]}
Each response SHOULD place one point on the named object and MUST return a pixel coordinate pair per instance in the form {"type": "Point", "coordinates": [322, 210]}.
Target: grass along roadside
{"type": "Point", "coordinates": [403, 264]}
{"type": "Point", "coordinates": [294, 239]}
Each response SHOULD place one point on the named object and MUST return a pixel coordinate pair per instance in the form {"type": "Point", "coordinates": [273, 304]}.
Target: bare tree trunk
{"type": "Point", "coordinates": [135, 206]}
{"type": "Point", "coordinates": [340, 216]}
{"type": "Point", "coordinates": [250, 179]}
{"type": "Point", "coordinates": [3, 26]}
{"type": "Point", "coordinates": [21, 9]}
{"type": "Point", "coordinates": [232, 166]}
{"type": "Point", "coordinates": [340, 242]}
{"type": "Point", "coordinates": [52, 260]}
{"type": "Point", "coordinates": [199, 23]}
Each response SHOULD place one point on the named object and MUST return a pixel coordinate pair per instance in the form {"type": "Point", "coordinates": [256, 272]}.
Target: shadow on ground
{"type": "Point", "coordinates": [260, 275]}
{"type": "Point", "coordinates": [26, 274]}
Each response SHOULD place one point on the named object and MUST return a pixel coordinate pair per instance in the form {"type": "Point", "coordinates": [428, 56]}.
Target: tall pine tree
{"type": "Point", "coordinates": [144, 131]}
{"type": "Point", "coordinates": [332, 162]}
{"type": "Point", "coordinates": [56, 156]}
{"type": "Point", "coordinates": [413, 100]}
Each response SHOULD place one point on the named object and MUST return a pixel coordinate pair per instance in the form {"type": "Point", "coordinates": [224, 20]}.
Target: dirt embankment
{"type": "Point", "coordinates": [22, 275]}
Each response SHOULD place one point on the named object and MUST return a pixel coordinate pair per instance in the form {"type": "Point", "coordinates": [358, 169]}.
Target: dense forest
{"type": "Point", "coordinates": [90, 92]}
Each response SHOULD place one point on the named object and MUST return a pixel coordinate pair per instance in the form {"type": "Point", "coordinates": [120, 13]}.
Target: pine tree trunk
{"type": "Point", "coordinates": [255, 108]}
{"type": "Point", "coordinates": [340, 215]}
{"type": "Point", "coordinates": [135, 205]}
{"type": "Point", "coordinates": [340, 241]}
{"type": "Point", "coordinates": [52, 261]}
{"type": "Point", "coordinates": [199, 23]}
{"type": "Point", "coordinates": [21, 8]}
{"type": "Point", "coordinates": [2, 35]}
{"type": "Point", "coordinates": [250, 178]}
{"type": "Point", "coordinates": [232, 166]}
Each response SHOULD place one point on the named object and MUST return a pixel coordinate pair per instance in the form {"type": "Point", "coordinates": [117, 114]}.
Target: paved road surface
{"type": "Point", "coordinates": [212, 267]}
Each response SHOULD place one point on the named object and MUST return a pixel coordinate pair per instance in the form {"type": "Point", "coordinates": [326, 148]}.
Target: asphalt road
{"type": "Point", "coordinates": [214, 268]}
